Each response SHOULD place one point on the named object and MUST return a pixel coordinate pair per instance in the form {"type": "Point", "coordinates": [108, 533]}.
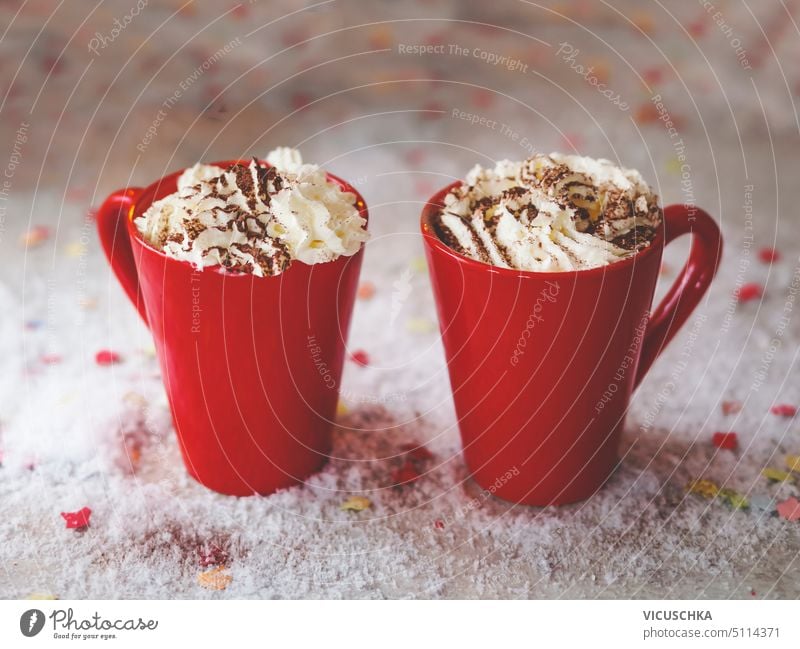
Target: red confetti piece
{"type": "Point", "coordinates": [300, 100]}
{"type": "Point", "coordinates": [748, 292]}
{"type": "Point", "coordinates": [769, 255]}
{"type": "Point", "coordinates": [50, 359]}
{"type": "Point", "coordinates": [417, 452]}
{"type": "Point", "coordinates": [482, 98]}
{"type": "Point", "coordinates": [212, 555]}
{"type": "Point", "coordinates": [731, 407]}
{"type": "Point", "coordinates": [77, 520]}
{"type": "Point", "coordinates": [783, 410]}
{"type": "Point", "coordinates": [725, 440]}
{"type": "Point", "coordinates": [406, 474]}
{"type": "Point", "coordinates": [653, 76]}
{"type": "Point", "coordinates": [789, 509]}
{"type": "Point", "coordinates": [107, 357]}
{"type": "Point", "coordinates": [438, 524]}
{"type": "Point", "coordinates": [35, 236]}
{"type": "Point", "coordinates": [415, 157]}
{"type": "Point", "coordinates": [366, 290]}
{"type": "Point", "coordinates": [360, 357]}
{"type": "Point", "coordinates": [697, 28]}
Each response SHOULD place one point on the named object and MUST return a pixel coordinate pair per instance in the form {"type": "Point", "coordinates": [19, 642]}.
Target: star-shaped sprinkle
{"type": "Point", "coordinates": [355, 504]}
{"type": "Point", "coordinates": [725, 440]}
{"type": "Point", "coordinates": [214, 579]}
{"type": "Point", "coordinates": [789, 509]}
{"type": "Point", "coordinates": [78, 520]}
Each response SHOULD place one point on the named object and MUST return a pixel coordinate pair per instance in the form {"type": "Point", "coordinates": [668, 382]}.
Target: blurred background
{"type": "Point", "coordinates": [400, 99]}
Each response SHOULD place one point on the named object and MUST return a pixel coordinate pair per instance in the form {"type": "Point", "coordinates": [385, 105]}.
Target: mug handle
{"type": "Point", "coordinates": [112, 227]}
{"type": "Point", "coordinates": [690, 286]}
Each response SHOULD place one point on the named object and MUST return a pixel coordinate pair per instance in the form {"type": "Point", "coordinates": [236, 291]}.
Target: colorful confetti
{"type": "Point", "coordinates": [214, 579]}
{"type": "Point", "coordinates": [731, 407]}
{"type": "Point", "coordinates": [75, 249]}
{"type": "Point", "coordinates": [419, 265]}
{"type": "Point", "coordinates": [36, 236]}
{"type": "Point", "coordinates": [366, 290]}
{"type": "Point", "coordinates": [793, 463]}
{"type": "Point", "coordinates": [107, 357]}
{"type": "Point", "coordinates": [41, 596]}
{"type": "Point", "coordinates": [406, 474]}
{"type": "Point", "coordinates": [50, 359]}
{"type": "Point", "coordinates": [438, 524]}
{"type": "Point", "coordinates": [748, 292]}
{"type": "Point", "coordinates": [360, 357]}
{"type": "Point", "coordinates": [78, 520]}
{"type": "Point", "coordinates": [776, 475]}
{"type": "Point", "coordinates": [789, 509]}
{"type": "Point", "coordinates": [762, 504]}
{"type": "Point", "coordinates": [769, 255]}
{"type": "Point", "coordinates": [733, 498]}
{"type": "Point", "coordinates": [211, 555]}
{"type": "Point", "coordinates": [417, 452]}
{"type": "Point", "coordinates": [783, 410]}
{"type": "Point", "coordinates": [725, 440]}
{"type": "Point", "coordinates": [341, 408]}
{"type": "Point", "coordinates": [702, 487]}
{"type": "Point", "coordinates": [355, 504]}
{"type": "Point", "coordinates": [420, 325]}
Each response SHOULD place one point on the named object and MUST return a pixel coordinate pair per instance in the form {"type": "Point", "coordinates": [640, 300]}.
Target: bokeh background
{"type": "Point", "coordinates": [98, 96]}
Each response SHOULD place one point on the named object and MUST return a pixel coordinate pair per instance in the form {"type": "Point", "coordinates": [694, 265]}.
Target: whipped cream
{"type": "Point", "coordinates": [255, 218]}
{"type": "Point", "coordinates": [550, 213]}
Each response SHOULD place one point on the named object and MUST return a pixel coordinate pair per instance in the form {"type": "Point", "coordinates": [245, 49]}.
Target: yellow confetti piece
{"type": "Point", "coordinates": [356, 504]}
{"type": "Point", "coordinates": [777, 475]}
{"type": "Point", "coordinates": [42, 596]}
{"type": "Point", "coordinates": [134, 399]}
{"type": "Point", "coordinates": [214, 579]}
{"type": "Point", "coordinates": [341, 408]}
{"type": "Point", "coordinates": [75, 249]}
{"type": "Point", "coordinates": [793, 463]}
{"type": "Point", "coordinates": [419, 264]}
{"type": "Point", "coordinates": [704, 488]}
{"type": "Point", "coordinates": [673, 166]}
{"type": "Point", "coordinates": [735, 499]}
{"type": "Point", "coordinates": [420, 325]}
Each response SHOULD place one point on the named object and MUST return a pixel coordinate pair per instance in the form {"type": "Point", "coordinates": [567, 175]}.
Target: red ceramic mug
{"type": "Point", "coordinates": [542, 365]}
{"type": "Point", "coordinates": [252, 365]}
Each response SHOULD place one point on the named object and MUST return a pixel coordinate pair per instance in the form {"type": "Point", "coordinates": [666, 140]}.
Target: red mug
{"type": "Point", "coordinates": [251, 365]}
{"type": "Point", "coordinates": [542, 364]}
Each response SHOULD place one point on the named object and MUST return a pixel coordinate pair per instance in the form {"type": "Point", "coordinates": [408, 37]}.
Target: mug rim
{"type": "Point", "coordinates": [134, 234]}
{"type": "Point", "coordinates": [436, 202]}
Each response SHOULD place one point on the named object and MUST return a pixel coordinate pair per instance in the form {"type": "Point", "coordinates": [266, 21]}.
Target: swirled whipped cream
{"type": "Point", "coordinates": [255, 218]}
{"type": "Point", "coordinates": [550, 213]}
